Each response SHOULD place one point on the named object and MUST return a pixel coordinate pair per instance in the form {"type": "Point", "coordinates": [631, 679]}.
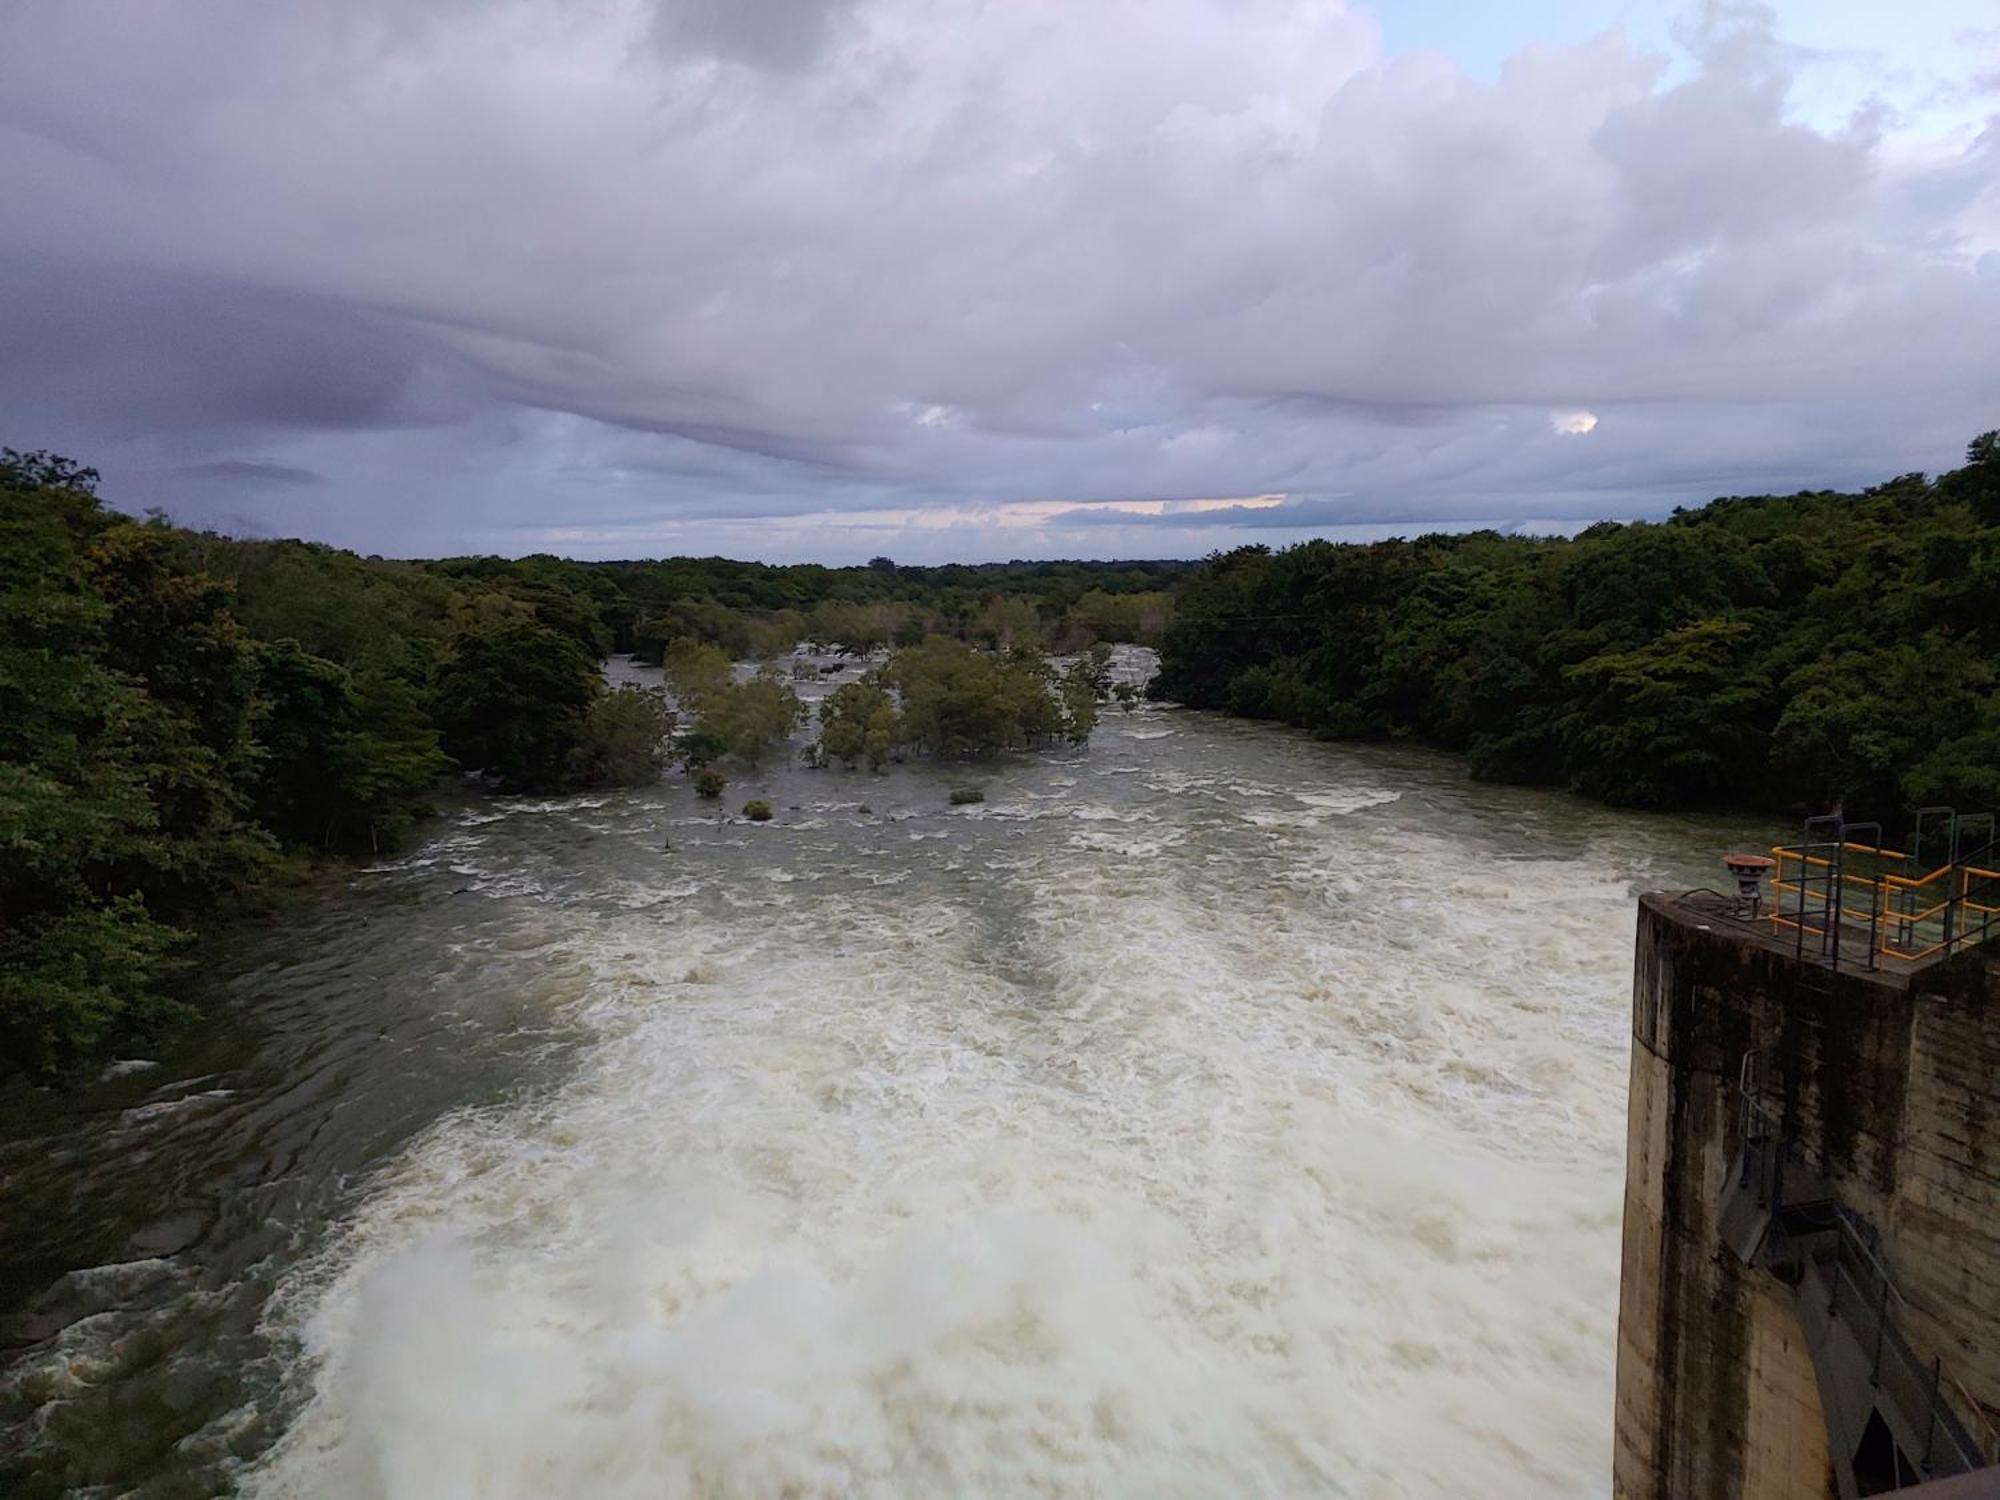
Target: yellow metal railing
{"type": "Point", "coordinates": [1907, 916]}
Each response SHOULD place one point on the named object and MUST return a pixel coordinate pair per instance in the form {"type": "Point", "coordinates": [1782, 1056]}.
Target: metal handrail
{"type": "Point", "coordinates": [1921, 1384]}
{"type": "Point", "coordinates": [1815, 872]}
{"type": "Point", "coordinates": [1976, 1442]}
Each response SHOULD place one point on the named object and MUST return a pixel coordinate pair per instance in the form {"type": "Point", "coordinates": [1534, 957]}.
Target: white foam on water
{"type": "Point", "coordinates": [150, 1114]}
{"type": "Point", "coordinates": [1156, 1161]}
{"type": "Point", "coordinates": [1129, 848]}
{"type": "Point", "coordinates": [1350, 800]}
{"type": "Point", "coordinates": [1091, 812]}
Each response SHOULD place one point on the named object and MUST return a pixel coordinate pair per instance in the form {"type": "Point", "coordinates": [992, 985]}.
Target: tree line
{"type": "Point", "coordinates": [1778, 653]}
{"type": "Point", "coordinates": [757, 610]}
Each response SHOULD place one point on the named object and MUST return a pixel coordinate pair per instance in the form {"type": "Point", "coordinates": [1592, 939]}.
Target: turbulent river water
{"type": "Point", "coordinates": [1210, 1112]}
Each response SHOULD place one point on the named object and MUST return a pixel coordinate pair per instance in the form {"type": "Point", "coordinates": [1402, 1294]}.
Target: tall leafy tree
{"type": "Point", "coordinates": [512, 701]}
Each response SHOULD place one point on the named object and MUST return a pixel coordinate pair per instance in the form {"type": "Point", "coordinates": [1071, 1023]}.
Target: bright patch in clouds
{"type": "Point", "coordinates": [1573, 423]}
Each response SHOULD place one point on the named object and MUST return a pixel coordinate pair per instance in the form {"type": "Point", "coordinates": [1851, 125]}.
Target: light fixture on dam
{"type": "Point", "coordinates": [1749, 870]}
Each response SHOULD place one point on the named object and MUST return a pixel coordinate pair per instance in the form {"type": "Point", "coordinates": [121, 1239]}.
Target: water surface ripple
{"type": "Point", "coordinates": [1208, 1113]}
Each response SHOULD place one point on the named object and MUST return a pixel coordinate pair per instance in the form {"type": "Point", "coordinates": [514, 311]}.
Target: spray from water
{"type": "Point", "coordinates": [1206, 1113]}
{"type": "Point", "coordinates": [1173, 1124]}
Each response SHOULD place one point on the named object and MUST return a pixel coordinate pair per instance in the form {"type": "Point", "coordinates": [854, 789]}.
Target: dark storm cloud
{"type": "Point", "coordinates": [783, 34]}
{"type": "Point", "coordinates": [542, 270]}
{"type": "Point", "coordinates": [250, 472]}
{"type": "Point", "coordinates": [143, 348]}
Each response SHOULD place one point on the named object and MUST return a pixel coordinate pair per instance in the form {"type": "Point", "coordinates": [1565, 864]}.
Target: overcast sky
{"type": "Point", "coordinates": [823, 279]}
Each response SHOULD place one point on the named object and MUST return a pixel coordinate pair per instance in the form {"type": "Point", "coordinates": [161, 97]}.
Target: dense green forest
{"type": "Point", "coordinates": [186, 720]}
{"type": "Point", "coordinates": [1776, 653]}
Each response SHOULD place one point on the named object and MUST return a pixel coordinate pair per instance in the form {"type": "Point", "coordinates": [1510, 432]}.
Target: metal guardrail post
{"type": "Point", "coordinates": [1874, 889]}
{"type": "Point", "coordinates": [1930, 1429]}
{"type": "Point", "coordinates": [1799, 927]}
{"type": "Point", "coordinates": [1881, 1324]}
{"type": "Point", "coordinates": [1874, 920]}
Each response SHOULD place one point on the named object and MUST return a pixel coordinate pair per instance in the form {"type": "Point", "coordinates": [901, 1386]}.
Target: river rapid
{"type": "Point", "coordinates": [1210, 1112]}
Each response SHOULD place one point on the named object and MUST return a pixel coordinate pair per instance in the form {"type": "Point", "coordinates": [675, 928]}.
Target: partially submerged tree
{"type": "Point", "coordinates": [624, 738]}
{"type": "Point", "coordinates": [942, 697]}
{"type": "Point", "coordinates": [859, 721]}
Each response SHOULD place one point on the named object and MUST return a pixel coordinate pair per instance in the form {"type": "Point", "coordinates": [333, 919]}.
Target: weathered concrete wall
{"type": "Point", "coordinates": [1893, 1081]}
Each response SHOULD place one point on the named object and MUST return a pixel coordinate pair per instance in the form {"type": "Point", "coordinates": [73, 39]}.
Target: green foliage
{"type": "Point", "coordinates": [859, 721]}
{"type": "Point", "coordinates": [941, 697]}
{"type": "Point", "coordinates": [1100, 616]}
{"type": "Point", "coordinates": [860, 628]}
{"type": "Point", "coordinates": [624, 739]}
{"type": "Point", "coordinates": [958, 701]}
{"type": "Point", "coordinates": [697, 671]}
{"type": "Point", "coordinates": [752, 611]}
{"type": "Point", "coordinates": [709, 782]}
{"type": "Point", "coordinates": [1776, 652]}
{"type": "Point", "coordinates": [743, 719]}
{"type": "Point", "coordinates": [746, 719]}
{"type": "Point", "coordinates": [1660, 725]}
{"type": "Point", "coordinates": [700, 746]}
{"type": "Point", "coordinates": [1008, 622]}
{"type": "Point", "coordinates": [757, 810]}
{"type": "Point", "coordinates": [75, 979]}
{"type": "Point", "coordinates": [965, 796]}
{"type": "Point", "coordinates": [305, 709]}
{"type": "Point", "coordinates": [1977, 485]}
{"type": "Point", "coordinates": [347, 760]}
{"type": "Point", "coordinates": [512, 701]}
{"type": "Point", "coordinates": [125, 717]}
{"type": "Point", "coordinates": [385, 765]}
{"type": "Point", "coordinates": [1077, 690]}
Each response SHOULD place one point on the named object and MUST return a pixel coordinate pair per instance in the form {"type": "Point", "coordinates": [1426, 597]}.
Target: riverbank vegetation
{"type": "Point", "coordinates": [186, 719]}
{"type": "Point", "coordinates": [1773, 652]}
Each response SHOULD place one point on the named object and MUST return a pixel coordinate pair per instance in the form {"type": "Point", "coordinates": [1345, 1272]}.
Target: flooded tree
{"type": "Point", "coordinates": [859, 721]}
{"type": "Point", "coordinates": [744, 719]}
{"type": "Point", "coordinates": [750, 718]}
{"type": "Point", "coordinates": [944, 698]}
{"type": "Point", "coordinates": [624, 740]}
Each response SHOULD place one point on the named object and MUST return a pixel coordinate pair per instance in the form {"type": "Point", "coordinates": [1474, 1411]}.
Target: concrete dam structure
{"type": "Point", "coordinates": [1810, 1286]}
